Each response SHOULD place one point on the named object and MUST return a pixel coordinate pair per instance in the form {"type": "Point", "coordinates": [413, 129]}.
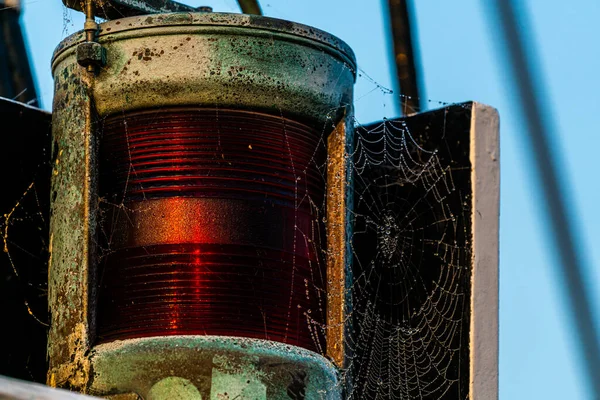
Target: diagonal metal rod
{"type": "Point", "coordinates": [16, 77]}
{"type": "Point", "coordinates": [250, 7]}
{"type": "Point", "coordinates": [540, 126]}
{"type": "Point", "coordinates": [405, 56]}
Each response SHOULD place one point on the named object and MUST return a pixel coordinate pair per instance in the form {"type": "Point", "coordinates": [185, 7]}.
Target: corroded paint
{"type": "Point", "coordinates": [339, 198]}
{"type": "Point", "coordinates": [223, 61]}
{"type": "Point", "coordinates": [71, 228]}
{"type": "Point", "coordinates": [218, 367]}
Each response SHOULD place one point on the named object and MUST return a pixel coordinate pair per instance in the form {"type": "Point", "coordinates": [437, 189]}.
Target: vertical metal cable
{"type": "Point", "coordinates": [405, 56]}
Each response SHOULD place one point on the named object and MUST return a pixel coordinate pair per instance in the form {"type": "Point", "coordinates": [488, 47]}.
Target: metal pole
{"type": "Point", "coordinates": [540, 127]}
{"type": "Point", "coordinates": [405, 56]}
{"type": "Point", "coordinates": [250, 7]}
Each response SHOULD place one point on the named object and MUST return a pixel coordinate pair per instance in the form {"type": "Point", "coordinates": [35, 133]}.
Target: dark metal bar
{"type": "Point", "coordinates": [114, 9]}
{"type": "Point", "coordinates": [522, 60]}
{"type": "Point", "coordinates": [16, 78]}
{"type": "Point", "coordinates": [250, 7]}
{"type": "Point", "coordinates": [405, 56]}
{"type": "Point", "coordinates": [6, 81]}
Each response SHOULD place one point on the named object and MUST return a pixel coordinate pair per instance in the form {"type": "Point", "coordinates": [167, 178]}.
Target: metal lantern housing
{"type": "Point", "coordinates": [180, 146]}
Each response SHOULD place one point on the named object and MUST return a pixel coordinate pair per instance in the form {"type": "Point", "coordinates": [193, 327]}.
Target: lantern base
{"type": "Point", "coordinates": [211, 367]}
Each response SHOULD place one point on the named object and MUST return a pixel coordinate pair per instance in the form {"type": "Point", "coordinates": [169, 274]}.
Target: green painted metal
{"type": "Point", "coordinates": [213, 367]}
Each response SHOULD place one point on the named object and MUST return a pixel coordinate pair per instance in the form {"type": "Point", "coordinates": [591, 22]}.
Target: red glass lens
{"type": "Point", "coordinates": [211, 225]}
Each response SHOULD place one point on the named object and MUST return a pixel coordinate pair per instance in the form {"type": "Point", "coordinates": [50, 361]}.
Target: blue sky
{"type": "Point", "coordinates": [538, 355]}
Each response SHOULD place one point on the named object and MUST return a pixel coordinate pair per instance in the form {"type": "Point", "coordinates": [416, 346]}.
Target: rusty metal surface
{"type": "Point", "coordinates": [220, 60]}
{"type": "Point", "coordinates": [339, 205]}
{"type": "Point", "coordinates": [71, 228]}
{"type": "Point", "coordinates": [91, 54]}
{"type": "Point", "coordinates": [215, 367]}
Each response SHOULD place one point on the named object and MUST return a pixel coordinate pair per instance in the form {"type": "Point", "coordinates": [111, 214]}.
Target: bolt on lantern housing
{"type": "Point", "coordinates": [193, 175]}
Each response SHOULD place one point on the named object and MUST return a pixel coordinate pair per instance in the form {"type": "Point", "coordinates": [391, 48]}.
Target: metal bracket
{"type": "Point", "coordinates": [91, 54]}
{"type": "Point", "coordinates": [114, 9]}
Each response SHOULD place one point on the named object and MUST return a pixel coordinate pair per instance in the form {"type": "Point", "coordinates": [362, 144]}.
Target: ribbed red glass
{"type": "Point", "coordinates": [210, 221]}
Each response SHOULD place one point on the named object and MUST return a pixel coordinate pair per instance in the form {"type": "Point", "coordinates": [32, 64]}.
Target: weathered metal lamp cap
{"type": "Point", "coordinates": [257, 23]}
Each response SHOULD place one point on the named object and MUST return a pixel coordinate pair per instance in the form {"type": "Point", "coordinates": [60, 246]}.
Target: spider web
{"type": "Point", "coordinates": [411, 267]}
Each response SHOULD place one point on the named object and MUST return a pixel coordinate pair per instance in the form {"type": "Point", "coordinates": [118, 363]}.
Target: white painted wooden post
{"type": "Point", "coordinates": [485, 178]}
